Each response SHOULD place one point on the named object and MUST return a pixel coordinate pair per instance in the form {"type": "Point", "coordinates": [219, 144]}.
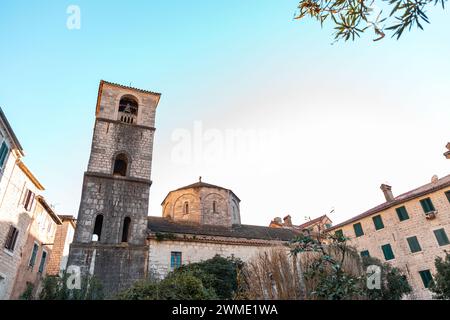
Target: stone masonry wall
{"type": "Point", "coordinates": [201, 209]}
{"type": "Point", "coordinates": [196, 251]}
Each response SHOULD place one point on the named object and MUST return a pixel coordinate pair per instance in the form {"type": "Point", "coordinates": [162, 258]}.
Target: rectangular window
{"type": "Point", "coordinates": [427, 205]}
{"type": "Point", "coordinates": [441, 237]}
{"type": "Point", "coordinates": [387, 251]}
{"type": "Point", "coordinates": [4, 150]}
{"type": "Point", "coordinates": [414, 245]}
{"type": "Point", "coordinates": [34, 255]}
{"type": "Point", "coordinates": [175, 260]}
{"type": "Point", "coordinates": [365, 253]}
{"type": "Point", "coordinates": [448, 195]}
{"type": "Point", "coordinates": [402, 213]}
{"type": "Point", "coordinates": [339, 233]}
{"type": "Point", "coordinates": [378, 222]}
{"type": "Point", "coordinates": [427, 278]}
{"type": "Point", "coordinates": [28, 200]}
{"type": "Point", "coordinates": [43, 260]}
{"type": "Point", "coordinates": [358, 229]}
{"type": "Point", "coordinates": [11, 239]}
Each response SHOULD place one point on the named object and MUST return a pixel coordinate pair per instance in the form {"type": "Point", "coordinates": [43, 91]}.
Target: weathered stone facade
{"type": "Point", "coordinates": [41, 235]}
{"type": "Point", "coordinates": [203, 203]}
{"type": "Point", "coordinates": [194, 242]}
{"type": "Point", "coordinates": [15, 181]}
{"type": "Point", "coordinates": [396, 232]}
{"type": "Point", "coordinates": [27, 222]}
{"type": "Point", "coordinates": [116, 187]}
{"type": "Point", "coordinates": [197, 250]}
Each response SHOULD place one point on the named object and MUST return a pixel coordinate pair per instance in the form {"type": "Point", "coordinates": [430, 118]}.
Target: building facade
{"type": "Point", "coordinates": [37, 250]}
{"type": "Point", "coordinates": [28, 223]}
{"type": "Point", "coordinates": [409, 231]}
{"type": "Point", "coordinates": [111, 235]}
{"type": "Point", "coordinates": [200, 221]}
{"type": "Point", "coordinates": [18, 190]}
{"type": "Point", "coordinates": [115, 240]}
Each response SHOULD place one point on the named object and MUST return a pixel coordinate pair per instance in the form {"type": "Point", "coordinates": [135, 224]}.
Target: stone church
{"type": "Point", "coordinates": [115, 239]}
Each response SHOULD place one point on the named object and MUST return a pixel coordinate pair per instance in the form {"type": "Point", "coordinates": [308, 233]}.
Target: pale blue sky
{"type": "Point", "coordinates": [343, 118]}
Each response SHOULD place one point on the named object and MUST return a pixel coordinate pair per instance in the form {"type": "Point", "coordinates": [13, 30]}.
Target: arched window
{"type": "Point", "coordinates": [128, 109]}
{"type": "Point", "coordinates": [98, 227]}
{"type": "Point", "coordinates": [126, 229]}
{"type": "Point", "coordinates": [214, 206]}
{"type": "Point", "coordinates": [186, 208]}
{"type": "Point", "coordinates": [120, 165]}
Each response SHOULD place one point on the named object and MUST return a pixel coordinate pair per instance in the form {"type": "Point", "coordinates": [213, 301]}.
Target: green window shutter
{"type": "Point", "coordinates": [427, 205]}
{"type": "Point", "coordinates": [33, 255]}
{"type": "Point", "coordinates": [441, 237]}
{"type": "Point", "coordinates": [427, 278]}
{"type": "Point", "coordinates": [387, 251]}
{"type": "Point", "coordinates": [43, 260]}
{"type": "Point", "coordinates": [3, 153]}
{"type": "Point", "coordinates": [448, 195]}
{"type": "Point", "coordinates": [378, 222]}
{"type": "Point", "coordinates": [175, 260]}
{"type": "Point", "coordinates": [402, 213]}
{"type": "Point", "coordinates": [365, 253]}
{"type": "Point", "coordinates": [358, 229]}
{"type": "Point", "coordinates": [414, 244]}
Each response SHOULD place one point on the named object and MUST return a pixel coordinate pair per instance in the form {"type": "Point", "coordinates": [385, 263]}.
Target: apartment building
{"type": "Point", "coordinates": [409, 231]}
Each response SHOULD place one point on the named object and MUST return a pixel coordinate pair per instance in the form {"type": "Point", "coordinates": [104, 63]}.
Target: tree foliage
{"type": "Point", "coordinates": [353, 17]}
{"type": "Point", "coordinates": [394, 284]}
{"type": "Point", "coordinates": [219, 274]}
{"type": "Point", "coordinates": [55, 288]}
{"type": "Point", "coordinates": [334, 271]}
{"type": "Point", "coordinates": [176, 286]}
{"type": "Point", "coordinates": [215, 278]}
{"type": "Point", "coordinates": [441, 283]}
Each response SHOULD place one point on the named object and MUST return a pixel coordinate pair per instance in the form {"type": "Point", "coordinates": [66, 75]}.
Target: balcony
{"type": "Point", "coordinates": [127, 117]}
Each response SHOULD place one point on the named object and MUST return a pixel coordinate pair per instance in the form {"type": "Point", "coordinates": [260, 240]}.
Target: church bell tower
{"type": "Point", "coordinates": [110, 237]}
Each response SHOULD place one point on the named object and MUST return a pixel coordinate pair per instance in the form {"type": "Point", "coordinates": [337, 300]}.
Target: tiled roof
{"type": "Point", "coordinates": [310, 223]}
{"type": "Point", "coordinates": [162, 225]}
{"type": "Point", "coordinates": [416, 193]}
{"type": "Point", "coordinates": [128, 87]}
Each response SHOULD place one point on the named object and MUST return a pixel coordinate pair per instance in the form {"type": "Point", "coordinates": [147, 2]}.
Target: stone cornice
{"type": "Point", "coordinates": [118, 178]}
{"type": "Point", "coordinates": [126, 124]}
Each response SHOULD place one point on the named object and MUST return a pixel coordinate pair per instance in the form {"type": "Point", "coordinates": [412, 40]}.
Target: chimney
{"type": "Point", "coordinates": [278, 220]}
{"type": "Point", "coordinates": [387, 190]}
{"type": "Point", "coordinates": [287, 221]}
{"type": "Point", "coordinates": [447, 154]}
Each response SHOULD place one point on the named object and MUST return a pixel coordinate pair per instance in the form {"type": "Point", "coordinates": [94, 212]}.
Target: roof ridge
{"type": "Point", "coordinates": [129, 87]}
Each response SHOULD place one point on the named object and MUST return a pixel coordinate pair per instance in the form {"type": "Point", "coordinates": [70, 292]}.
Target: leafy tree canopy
{"type": "Point", "coordinates": [441, 284]}
{"type": "Point", "coordinates": [353, 17]}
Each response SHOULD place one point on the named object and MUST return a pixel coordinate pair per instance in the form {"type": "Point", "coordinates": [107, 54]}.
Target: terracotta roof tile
{"type": "Point", "coordinates": [162, 225]}
{"type": "Point", "coordinates": [418, 192]}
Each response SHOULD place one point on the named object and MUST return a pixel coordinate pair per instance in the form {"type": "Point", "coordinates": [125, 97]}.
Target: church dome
{"type": "Point", "coordinates": [202, 203]}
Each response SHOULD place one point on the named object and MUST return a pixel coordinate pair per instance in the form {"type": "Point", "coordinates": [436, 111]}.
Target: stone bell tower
{"type": "Point", "coordinates": [110, 237]}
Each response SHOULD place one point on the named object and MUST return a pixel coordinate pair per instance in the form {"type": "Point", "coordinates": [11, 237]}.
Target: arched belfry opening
{"type": "Point", "coordinates": [98, 228]}
{"type": "Point", "coordinates": [126, 229]}
{"type": "Point", "coordinates": [128, 110]}
{"type": "Point", "coordinates": [121, 165]}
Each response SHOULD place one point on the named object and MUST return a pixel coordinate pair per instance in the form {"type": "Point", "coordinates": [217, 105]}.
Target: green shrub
{"type": "Point", "coordinates": [394, 284]}
{"type": "Point", "coordinates": [176, 286]}
{"type": "Point", "coordinates": [441, 284]}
